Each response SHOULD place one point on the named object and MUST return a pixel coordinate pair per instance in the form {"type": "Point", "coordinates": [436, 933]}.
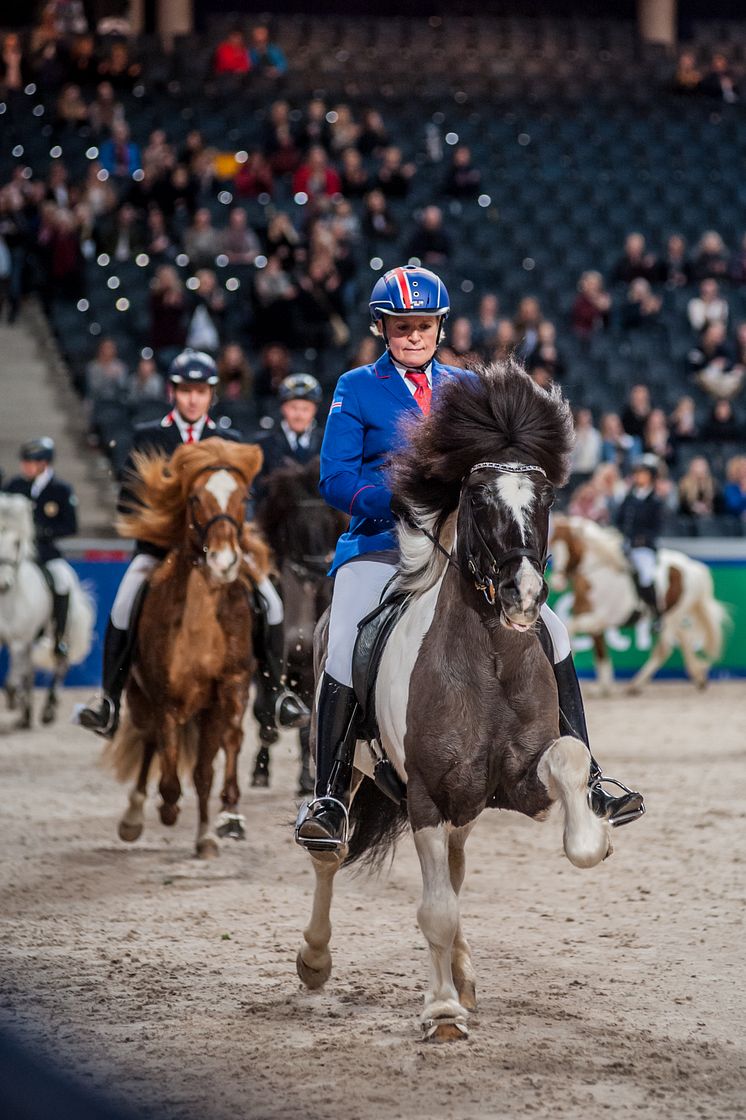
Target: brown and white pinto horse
{"type": "Point", "coordinates": [189, 684]}
{"type": "Point", "coordinates": [466, 700]}
{"type": "Point", "coordinates": [590, 561]}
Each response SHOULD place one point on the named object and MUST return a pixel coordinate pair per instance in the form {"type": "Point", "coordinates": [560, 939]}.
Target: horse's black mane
{"type": "Point", "coordinates": [495, 414]}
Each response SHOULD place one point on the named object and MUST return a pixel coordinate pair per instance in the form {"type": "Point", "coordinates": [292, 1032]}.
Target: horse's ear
{"type": "Point", "coordinates": [251, 461]}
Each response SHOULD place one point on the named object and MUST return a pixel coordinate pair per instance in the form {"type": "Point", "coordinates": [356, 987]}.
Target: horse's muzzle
{"type": "Point", "coordinates": [223, 564]}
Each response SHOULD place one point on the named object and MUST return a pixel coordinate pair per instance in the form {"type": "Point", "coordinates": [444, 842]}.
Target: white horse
{"type": "Point", "coordinates": [590, 560]}
{"type": "Point", "coordinates": [26, 614]}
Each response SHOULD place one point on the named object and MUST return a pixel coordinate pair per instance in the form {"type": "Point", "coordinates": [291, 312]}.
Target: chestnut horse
{"type": "Point", "coordinates": [189, 684]}
{"type": "Point", "coordinates": [466, 700]}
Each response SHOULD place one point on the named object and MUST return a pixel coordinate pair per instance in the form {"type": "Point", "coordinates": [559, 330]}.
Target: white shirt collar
{"type": "Point", "coordinates": [183, 425]}
{"type": "Point", "coordinates": [296, 439]}
{"type": "Point", "coordinates": [41, 481]}
{"type": "Point", "coordinates": [403, 371]}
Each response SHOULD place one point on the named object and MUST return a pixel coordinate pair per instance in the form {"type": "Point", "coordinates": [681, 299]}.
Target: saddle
{"type": "Point", "coordinates": [373, 632]}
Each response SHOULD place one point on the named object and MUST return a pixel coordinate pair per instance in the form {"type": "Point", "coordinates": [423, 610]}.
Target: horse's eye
{"type": "Point", "coordinates": [547, 499]}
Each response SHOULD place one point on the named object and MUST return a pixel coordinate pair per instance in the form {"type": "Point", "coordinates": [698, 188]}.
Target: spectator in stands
{"type": "Point", "coordinates": [737, 269]}
{"type": "Point", "coordinates": [505, 341]}
{"type": "Point", "coordinates": [636, 262]}
{"type": "Point", "coordinates": [265, 56]}
{"type": "Point", "coordinates": [15, 71]}
{"type": "Point", "coordinates": [355, 179]}
{"type": "Point", "coordinates": [683, 421]}
{"type": "Point", "coordinates": [71, 110]}
{"type": "Point", "coordinates": [281, 147]}
{"type": "Point", "coordinates": [585, 501]}
{"type": "Point", "coordinates": [121, 234]}
{"type": "Point", "coordinates": [712, 364]}
{"type": "Point", "coordinates": [719, 81]}
{"type": "Point", "coordinates": [275, 294]}
{"type": "Point", "coordinates": [145, 384]}
{"type": "Point", "coordinates": [254, 177]}
{"type": "Point", "coordinates": [546, 351]}
{"type": "Point", "coordinates": [321, 311]}
{"type": "Point", "coordinates": [722, 425]}
{"type": "Point", "coordinates": [57, 186]}
{"type": "Point", "coordinates": [458, 347]}
{"type": "Point", "coordinates": [374, 136]}
{"type": "Point", "coordinates": [430, 243]}
{"type": "Point", "coordinates": [282, 239]}
{"type": "Point", "coordinates": [120, 156]}
{"type": "Point", "coordinates": [274, 367]}
{"type": "Point", "coordinates": [367, 352]}
{"type": "Point", "coordinates": [462, 179]}
{"type": "Point", "coordinates": [618, 446]}
{"type": "Point", "coordinates": [711, 258]}
{"type": "Point", "coordinates": [202, 242]}
{"type": "Point", "coordinates": [82, 63]}
{"type": "Point", "coordinates": [105, 110]}
{"type": "Point", "coordinates": [485, 327]}
{"type": "Point", "coordinates": [315, 177]}
{"type": "Point", "coordinates": [586, 452]}
{"type": "Point", "coordinates": [119, 69]}
{"type": "Point", "coordinates": [600, 498]}
{"type": "Point", "coordinates": [105, 375]}
{"type": "Point", "coordinates": [378, 222]}
{"type": "Point", "coordinates": [656, 437]}
{"type": "Point", "coordinates": [636, 412]}
{"type": "Point", "coordinates": [540, 375]}
{"type": "Point", "coordinates": [528, 319]}
{"type": "Point", "coordinates": [315, 129]}
{"type": "Point", "coordinates": [239, 243]}
{"type": "Point", "coordinates": [592, 306]}
{"type": "Point", "coordinates": [740, 344]}
{"type": "Point", "coordinates": [688, 76]}
{"type": "Point", "coordinates": [734, 492]}
{"type": "Point", "coordinates": [235, 373]}
{"type": "Point", "coordinates": [96, 193]}
{"type": "Point", "coordinates": [167, 314]}
{"type": "Point", "coordinates": [159, 243]}
{"type": "Point", "coordinates": [48, 57]}
{"type": "Point", "coordinates": [232, 55]}
{"type": "Point", "coordinates": [15, 233]}
{"type": "Point", "coordinates": [158, 153]}
{"type": "Point", "coordinates": [698, 494]}
{"type": "Point", "coordinates": [708, 307]}
{"type": "Point", "coordinates": [394, 175]}
{"type": "Point", "coordinates": [343, 128]}
{"type": "Point", "coordinates": [59, 239]}
{"type": "Point", "coordinates": [206, 309]}
{"type": "Point", "coordinates": [642, 307]}
{"type": "Point", "coordinates": [674, 269]}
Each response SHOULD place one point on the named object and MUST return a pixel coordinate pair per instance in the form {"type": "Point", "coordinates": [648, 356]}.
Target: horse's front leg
{"type": "Point", "coordinates": [443, 1016]}
{"type": "Point", "coordinates": [210, 737]}
{"type": "Point", "coordinates": [169, 785]}
{"type": "Point", "coordinates": [462, 968]}
{"type": "Point", "coordinates": [659, 655]}
{"type": "Point", "coordinates": [24, 674]}
{"type": "Point", "coordinates": [564, 770]}
{"type": "Point", "coordinates": [49, 711]}
{"type": "Point", "coordinates": [229, 717]}
{"type": "Point", "coordinates": [132, 822]}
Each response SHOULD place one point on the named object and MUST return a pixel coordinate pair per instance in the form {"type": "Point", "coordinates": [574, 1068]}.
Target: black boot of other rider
{"type": "Point", "coordinates": [323, 824]}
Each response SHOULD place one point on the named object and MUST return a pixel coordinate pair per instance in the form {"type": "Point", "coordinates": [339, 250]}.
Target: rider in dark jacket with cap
{"type": "Point", "coordinates": [55, 516]}
{"type": "Point", "coordinates": [297, 438]}
{"type": "Point", "coordinates": [640, 521]}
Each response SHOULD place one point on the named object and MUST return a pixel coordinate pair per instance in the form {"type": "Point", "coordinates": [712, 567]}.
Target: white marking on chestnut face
{"type": "Point", "coordinates": [221, 485]}
{"type": "Point", "coordinates": [517, 492]}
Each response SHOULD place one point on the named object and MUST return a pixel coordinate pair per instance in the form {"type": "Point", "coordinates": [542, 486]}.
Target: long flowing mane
{"type": "Point", "coordinates": [161, 486]}
{"type": "Point", "coordinates": [16, 516]}
{"type": "Point", "coordinates": [494, 413]}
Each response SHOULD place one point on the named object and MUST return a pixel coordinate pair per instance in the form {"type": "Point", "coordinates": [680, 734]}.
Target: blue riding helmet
{"type": "Point", "coordinates": [410, 290]}
{"type": "Point", "coordinates": [299, 387]}
{"type": "Point", "coordinates": [192, 367]}
{"type": "Point", "coordinates": [37, 450]}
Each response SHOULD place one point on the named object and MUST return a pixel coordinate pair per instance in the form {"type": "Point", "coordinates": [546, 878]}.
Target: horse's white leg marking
{"type": "Point", "coordinates": [131, 824]}
{"type": "Point", "coordinates": [696, 667]}
{"type": "Point", "coordinates": [438, 918]}
{"type": "Point", "coordinates": [564, 769]}
{"type": "Point", "coordinates": [659, 654]}
{"type": "Point", "coordinates": [604, 675]}
{"type": "Point", "coordinates": [314, 962]}
{"type": "Point", "coordinates": [462, 968]}
{"type": "Point", "coordinates": [221, 485]}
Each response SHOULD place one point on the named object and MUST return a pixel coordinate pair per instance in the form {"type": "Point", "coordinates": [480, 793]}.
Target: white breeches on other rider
{"type": "Point", "coordinates": [643, 560]}
{"type": "Point", "coordinates": [358, 587]}
{"type": "Point", "coordinates": [63, 577]}
{"type": "Point", "coordinates": [139, 570]}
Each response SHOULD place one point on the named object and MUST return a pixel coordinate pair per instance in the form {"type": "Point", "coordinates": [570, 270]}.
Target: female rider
{"type": "Point", "coordinates": [408, 308]}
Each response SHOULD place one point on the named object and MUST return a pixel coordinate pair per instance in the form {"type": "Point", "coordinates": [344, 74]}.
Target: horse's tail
{"type": "Point", "coordinates": [376, 823]}
{"type": "Point", "coordinates": [123, 755]}
{"type": "Point", "coordinates": [713, 618]}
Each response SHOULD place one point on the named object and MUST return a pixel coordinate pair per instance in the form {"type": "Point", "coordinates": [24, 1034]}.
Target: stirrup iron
{"type": "Point", "coordinates": [597, 783]}
{"type": "Point", "coordinates": [322, 844]}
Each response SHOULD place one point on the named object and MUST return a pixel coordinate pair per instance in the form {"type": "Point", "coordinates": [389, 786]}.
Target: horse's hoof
{"type": "Point", "coordinates": [49, 714]}
{"type": "Point", "coordinates": [11, 697]}
{"type": "Point", "coordinates": [24, 724]}
{"type": "Point", "coordinates": [207, 848]}
{"type": "Point", "coordinates": [260, 779]}
{"type": "Point", "coordinates": [169, 813]}
{"type": "Point", "coordinates": [129, 832]}
{"type": "Point", "coordinates": [313, 978]}
{"type": "Point", "coordinates": [231, 825]}
{"type": "Point", "coordinates": [467, 995]}
{"type": "Point", "coordinates": [444, 1030]}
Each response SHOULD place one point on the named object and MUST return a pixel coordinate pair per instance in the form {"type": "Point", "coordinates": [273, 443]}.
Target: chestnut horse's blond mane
{"type": "Point", "coordinates": [161, 487]}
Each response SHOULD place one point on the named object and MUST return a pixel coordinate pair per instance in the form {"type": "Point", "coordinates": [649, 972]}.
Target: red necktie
{"type": "Point", "coordinates": [423, 392]}
{"type": "Point", "coordinates": [190, 434]}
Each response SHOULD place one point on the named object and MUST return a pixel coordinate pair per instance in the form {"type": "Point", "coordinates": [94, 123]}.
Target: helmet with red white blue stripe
{"type": "Point", "coordinates": [410, 290]}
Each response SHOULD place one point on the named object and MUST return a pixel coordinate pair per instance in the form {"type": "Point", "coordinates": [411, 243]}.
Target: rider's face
{"type": "Point", "coordinates": [192, 401]}
{"type": "Point", "coordinates": [32, 468]}
{"type": "Point", "coordinates": [412, 338]}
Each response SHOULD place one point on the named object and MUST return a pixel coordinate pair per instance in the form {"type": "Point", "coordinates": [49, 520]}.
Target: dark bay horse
{"type": "Point", "coordinates": [466, 700]}
{"type": "Point", "coordinates": [302, 531]}
{"type": "Point", "coordinates": [190, 678]}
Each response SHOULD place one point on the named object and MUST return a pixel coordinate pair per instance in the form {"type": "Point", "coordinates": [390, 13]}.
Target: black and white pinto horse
{"type": "Point", "coordinates": [466, 701]}
{"type": "Point", "coordinates": [302, 531]}
{"type": "Point", "coordinates": [26, 614]}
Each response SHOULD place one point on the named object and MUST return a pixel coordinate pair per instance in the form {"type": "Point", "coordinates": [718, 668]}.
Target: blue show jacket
{"type": "Point", "coordinates": [364, 427]}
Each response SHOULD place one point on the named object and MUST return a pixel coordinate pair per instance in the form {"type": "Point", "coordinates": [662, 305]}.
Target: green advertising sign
{"type": "Point", "coordinates": [629, 646]}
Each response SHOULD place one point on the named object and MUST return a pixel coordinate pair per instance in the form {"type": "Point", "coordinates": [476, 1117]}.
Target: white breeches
{"type": "Point", "coordinates": [558, 634]}
{"type": "Point", "coordinates": [643, 560]}
{"type": "Point", "coordinates": [139, 570]}
{"type": "Point", "coordinates": [358, 586]}
{"type": "Point", "coordinates": [63, 577]}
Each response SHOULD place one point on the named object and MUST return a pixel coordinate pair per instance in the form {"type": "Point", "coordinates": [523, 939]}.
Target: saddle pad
{"type": "Point", "coordinates": [372, 634]}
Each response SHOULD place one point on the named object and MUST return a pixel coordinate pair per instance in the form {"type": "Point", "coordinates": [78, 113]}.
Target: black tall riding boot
{"type": "Point", "coordinates": [650, 599]}
{"type": "Point", "coordinates": [275, 703]}
{"type": "Point", "coordinates": [324, 823]}
{"type": "Point", "coordinates": [103, 717]}
{"type": "Point", "coordinates": [621, 809]}
{"type": "Point", "coordinates": [60, 610]}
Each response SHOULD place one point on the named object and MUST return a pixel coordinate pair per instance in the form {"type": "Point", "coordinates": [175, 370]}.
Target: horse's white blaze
{"type": "Point", "coordinates": [564, 770]}
{"type": "Point", "coordinates": [221, 485]}
{"type": "Point", "coordinates": [517, 492]}
{"type": "Point", "coordinates": [397, 664]}
{"type": "Point", "coordinates": [529, 583]}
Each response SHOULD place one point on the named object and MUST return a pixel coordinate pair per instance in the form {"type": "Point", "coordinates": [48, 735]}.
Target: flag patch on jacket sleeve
{"type": "Point", "coordinates": [335, 405]}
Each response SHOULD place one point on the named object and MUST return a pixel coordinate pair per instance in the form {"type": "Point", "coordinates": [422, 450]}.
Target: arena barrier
{"type": "Point", "coordinates": [101, 564]}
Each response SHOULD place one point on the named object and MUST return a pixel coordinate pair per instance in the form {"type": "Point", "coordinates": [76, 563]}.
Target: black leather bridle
{"type": "Point", "coordinates": [203, 529]}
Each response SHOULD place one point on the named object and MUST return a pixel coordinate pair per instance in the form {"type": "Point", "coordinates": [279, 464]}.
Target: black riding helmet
{"type": "Point", "coordinates": [37, 450]}
{"type": "Point", "coordinates": [299, 387]}
{"type": "Point", "coordinates": [192, 367]}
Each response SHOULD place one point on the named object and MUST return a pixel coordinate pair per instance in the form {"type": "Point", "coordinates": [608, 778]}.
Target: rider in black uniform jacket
{"type": "Point", "coordinates": [297, 438]}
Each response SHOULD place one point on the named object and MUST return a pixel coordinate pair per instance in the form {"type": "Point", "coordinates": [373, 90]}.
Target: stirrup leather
{"type": "Point", "coordinates": [597, 783]}
{"type": "Point", "coordinates": [322, 844]}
